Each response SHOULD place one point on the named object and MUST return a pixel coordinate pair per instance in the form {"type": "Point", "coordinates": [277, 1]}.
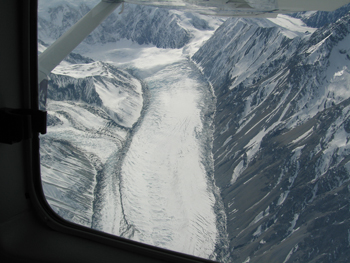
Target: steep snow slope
{"type": "Point", "coordinates": [281, 140]}
{"type": "Point", "coordinates": [241, 47]}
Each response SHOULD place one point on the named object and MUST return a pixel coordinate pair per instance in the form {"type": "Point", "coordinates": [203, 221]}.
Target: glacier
{"type": "Point", "coordinates": [167, 194]}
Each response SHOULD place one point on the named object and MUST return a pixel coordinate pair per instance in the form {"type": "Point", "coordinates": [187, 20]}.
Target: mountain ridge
{"type": "Point", "coordinates": [321, 18]}
{"type": "Point", "coordinates": [277, 135]}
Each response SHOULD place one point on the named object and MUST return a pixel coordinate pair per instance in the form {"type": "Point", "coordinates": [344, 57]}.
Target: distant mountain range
{"type": "Point", "coordinates": [142, 24]}
{"type": "Point", "coordinates": [321, 18]}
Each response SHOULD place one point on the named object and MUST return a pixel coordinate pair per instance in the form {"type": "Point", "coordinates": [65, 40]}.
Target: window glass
{"type": "Point", "coordinates": [128, 147]}
{"type": "Point", "coordinates": [223, 138]}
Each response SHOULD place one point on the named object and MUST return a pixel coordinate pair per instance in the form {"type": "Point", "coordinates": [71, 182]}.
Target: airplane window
{"type": "Point", "coordinates": [128, 147]}
{"type": "Point", "coordinates": [222, 138]}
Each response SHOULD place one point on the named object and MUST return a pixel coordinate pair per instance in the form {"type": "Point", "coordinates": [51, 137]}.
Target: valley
{"type": "Point", "coordinates": [228, 139]}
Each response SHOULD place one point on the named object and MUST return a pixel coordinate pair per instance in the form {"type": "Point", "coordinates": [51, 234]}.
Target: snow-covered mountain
{"type": "Point", "coordinates": [230, 145]}
{"type": "Point", "coordinates": [321, 18]}
{"type": "Point", "coordinates": [141, 24]}
{"type": "Point", "coordinates": [281, 137]}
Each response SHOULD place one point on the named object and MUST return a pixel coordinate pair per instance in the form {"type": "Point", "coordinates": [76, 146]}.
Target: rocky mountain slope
{"type": "Point", "coordinates": [281, 137]}
{"type": "Point", "coordinates": [92, 106]}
